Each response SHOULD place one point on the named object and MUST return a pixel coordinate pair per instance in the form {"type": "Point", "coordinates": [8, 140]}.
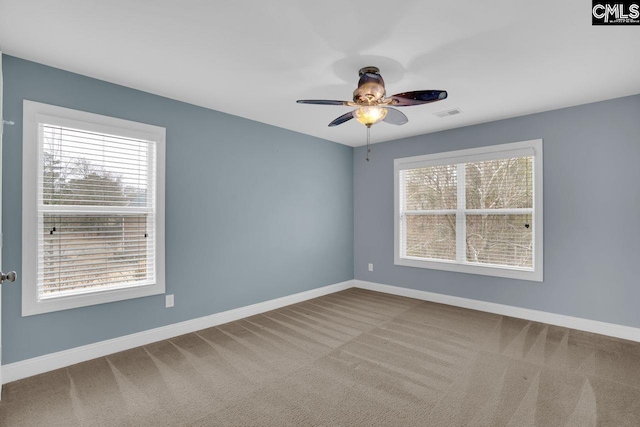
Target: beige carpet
{"type": "Point", "coordinates": [355, 358]}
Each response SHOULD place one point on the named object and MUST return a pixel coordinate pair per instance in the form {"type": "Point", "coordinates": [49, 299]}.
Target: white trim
{"type": "Point", "coordinates": [517, 211]}
{"type": "Point", "coordinates": [49, 362]}
{"type": "Point", "coordinates": [1, 228]}
{"type": "Point", "coordinates": [479, 154]}
{"type": "Point", "coordinates": [38, 365]}
{"type": "Point", "coordinates": [610, 329]}
{"type": "Point", "coordinates": [461, 218]}
{"type": "Point", "coordinates": [67, 117]}
{"type": "Point", "coordinates": [35, 113]}
{"type": "Point", "coordinates": [125, 210]}
{"type": "Point", "coordinates": [515, 149]}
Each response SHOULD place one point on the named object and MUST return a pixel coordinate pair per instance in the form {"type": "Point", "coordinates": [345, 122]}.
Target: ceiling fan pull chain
{"type": "Point", "coordinates": [368, 141]}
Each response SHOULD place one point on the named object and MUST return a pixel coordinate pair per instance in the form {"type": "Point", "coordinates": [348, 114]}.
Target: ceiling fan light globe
{"type": "Point", "coordinates": [370, 115]}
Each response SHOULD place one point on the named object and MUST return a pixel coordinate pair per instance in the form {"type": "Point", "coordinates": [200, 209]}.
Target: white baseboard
{"type": "Point", "coordinates": [49, 362]}
{"type": "Point", "coordinates": [603, 328]}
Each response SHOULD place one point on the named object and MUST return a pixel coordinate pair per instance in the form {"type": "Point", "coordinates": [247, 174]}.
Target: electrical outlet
{"type": "Point", "coordinates": [370, 266]}
{"type": "Point", "coordinates": [169, 301]}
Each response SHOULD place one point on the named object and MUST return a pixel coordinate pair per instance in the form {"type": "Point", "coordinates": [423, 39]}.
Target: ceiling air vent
{"type": "Point", "coordinates": [448, 113]}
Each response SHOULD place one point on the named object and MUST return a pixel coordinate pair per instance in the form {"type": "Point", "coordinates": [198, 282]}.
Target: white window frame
{"type": "Point", "coordinates": [494, 152]}
{"type": "Point", "coordinates": [35, 113]}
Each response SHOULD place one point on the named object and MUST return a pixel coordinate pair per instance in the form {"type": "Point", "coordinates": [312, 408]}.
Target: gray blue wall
{"type": "Point", "coordinates": [253, 212]}
{"type": "Point", "coordinates": [591, 212]}
{"type": "Point", "coordinates": [240, 230]}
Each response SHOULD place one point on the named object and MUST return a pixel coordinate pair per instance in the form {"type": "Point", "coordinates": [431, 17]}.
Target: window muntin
{"type": "Point", "coordinates": [94, 209]}
{"type": "Point", "coordinates": [473, 211]}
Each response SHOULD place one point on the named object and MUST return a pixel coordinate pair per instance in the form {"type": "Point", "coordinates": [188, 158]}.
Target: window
{"type": "Point", "coordinates": [93, 209]}
{"type": "Point", "coordinates": [473, 211]}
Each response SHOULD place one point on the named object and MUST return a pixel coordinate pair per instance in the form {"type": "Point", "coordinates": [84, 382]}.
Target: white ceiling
{"type": "Point", "coordinates": [254, 58]}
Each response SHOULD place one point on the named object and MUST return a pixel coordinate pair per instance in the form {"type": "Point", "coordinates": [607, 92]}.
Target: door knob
{"type": "Point", "coordinates": [10, 276]}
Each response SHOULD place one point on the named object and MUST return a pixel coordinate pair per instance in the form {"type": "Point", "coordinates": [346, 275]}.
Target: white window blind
{"type": "Point", "coordinates": [96, 211]}
{"type": "Point", "coordinates": [93, 209]}
{"type": "Point", "coordinates": [470, 209]}
{"type": "Point", "coordinates": [498, 213]}
{"type": "Point", "coordinates": [430, 202]}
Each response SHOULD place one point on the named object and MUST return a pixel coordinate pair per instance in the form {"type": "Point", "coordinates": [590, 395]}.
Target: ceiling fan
{"type": "Point", "coordinates": [372, 104]}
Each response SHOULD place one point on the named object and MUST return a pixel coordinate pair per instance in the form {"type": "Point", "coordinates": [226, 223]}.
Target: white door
{"type": "Point", "coordinates": [12, 275]}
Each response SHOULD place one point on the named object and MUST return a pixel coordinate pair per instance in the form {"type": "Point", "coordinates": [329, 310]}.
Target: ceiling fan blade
{"type": "Point", "coordinates": [418, 97]}
{"type": "Point", "coordinates": [395, 117]}
{"type": "Point", "coordinates": [322, 102]}
{"type": "Point", "coordinates": [343, 118]}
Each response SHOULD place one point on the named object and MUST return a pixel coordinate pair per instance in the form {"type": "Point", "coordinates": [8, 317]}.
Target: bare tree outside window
{"type": "Point", "coordinates": [497, 212]}
{"type": "Point", "coordinates": [501, 238]}
{"type": "Point", "coordinates": [430, 234]}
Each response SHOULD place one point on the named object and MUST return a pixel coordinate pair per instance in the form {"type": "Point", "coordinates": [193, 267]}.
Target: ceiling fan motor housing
{"type": "Point", "coordinates": [370, 86]}
{"type": "Point", "coordinates": [372, 105]}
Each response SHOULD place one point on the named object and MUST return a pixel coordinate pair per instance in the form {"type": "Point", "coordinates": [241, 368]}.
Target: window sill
{"type": "Point", "coordinates": [48, 305]}
{"type": "Point", "coordinates": [510, 273]}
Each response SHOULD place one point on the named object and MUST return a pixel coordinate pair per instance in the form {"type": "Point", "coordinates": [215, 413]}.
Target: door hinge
{"type": "Point", "coordinates": [6, 122]}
